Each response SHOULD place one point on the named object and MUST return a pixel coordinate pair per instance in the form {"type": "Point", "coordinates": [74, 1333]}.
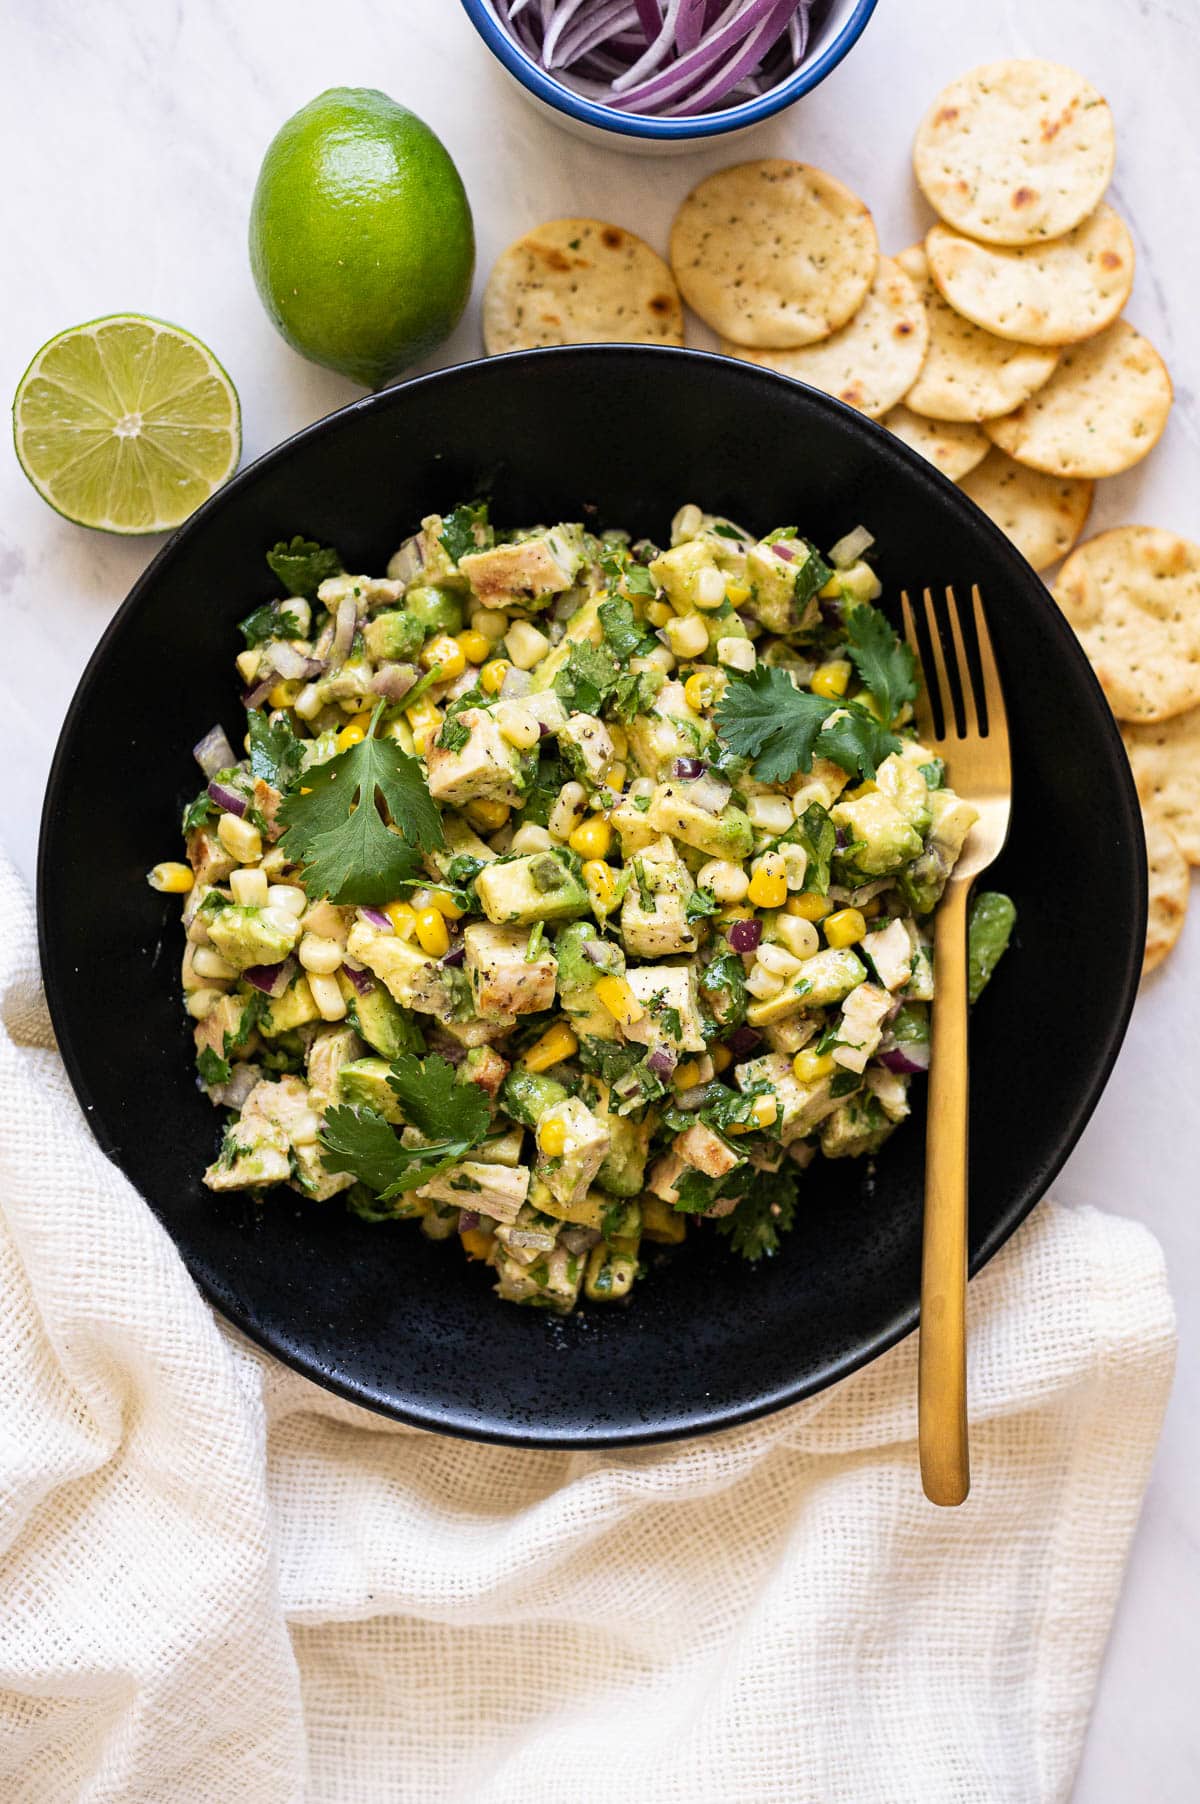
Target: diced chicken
{"type": "Point", "coordinates": [861, 1026]}
{"type": "Point", "coordinates": [413, 980]}
{"type": "Point", "coordinates": [208, 857]}
{"type": "Point", "coordinates": [331, 1048]}
{"type": "Point", "coordinates": [890, 950]}
{"type": "Point", "coordinates": [890, 1088]}
{"type": "Point", "coordinates": [493, 1190]}
{"type": "Point", "coordinates": [665, 1173]}
{"type": "Point", "coordinates": [789, 1036]}
{"type": "Point", "coordinates": [267, 800]}
{"type": "Point", "coordinates": [587, 1140]}
{"type": "Point", "coordinates": [504, 979]}
{"type": "Point", "coordinates": [586, 744]}
{"type": "Point", "coordinates": [479, 1033]}
{"type": "Point", "coordinates": [503, 574]}
{"type": "Point", "coordinates": [660, 878]}
{"type": "Point", "coordinates": [555, 1286]}
{"type": "Point", "coordinates": [254, 1155]}
{"type": "Point", "coordinates": [369, 592]}
{"type": "Point", "coordinates": [665, 991]}
{"type": "Point", "coordinates": [222, 1027]}
{"type": "Point", "coordinates": [952, 821]}
{"type": "Point", "coordinates": [801, 1106]}
{"type": "Point", "coordinates": [705, 1150]}
{"type": "Point", "coordinates": [485, 769]}
{"type": "Point", "coordinates": [487, 1069]}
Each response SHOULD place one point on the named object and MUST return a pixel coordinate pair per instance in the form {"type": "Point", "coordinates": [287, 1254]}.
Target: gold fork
{"type": "Point", "coordinates": [979, 771]}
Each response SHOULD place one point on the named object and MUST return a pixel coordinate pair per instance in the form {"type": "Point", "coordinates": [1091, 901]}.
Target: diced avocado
{"type": "Point", "coordinates": [331, 1048]}
{"type": "Point", "coordinates": [921, 883]}
{"type": "Point", "coordinates": [624, 1169]}
{"type": "Point", "coordinates": [586, 1212]}
{"type": "Point", "coordinates": [661, 1223]}
{"type": "Point", "coordinates": [363, 1084]}
{"type": "Point", "coordinates": [901, 781]}
{"type": "Point", "coordinates": [414, 980]}
{"type": "Point", "coordinates": [677, 571]}
{"type": "Point", "coordinates": [828, 976]}
{"type": "Point", "coordinates": [394, 634]}
{"type": "Point", "coordinates": [311, 1177]}
{"type": "Point", "coordinates": [726, 835]}
{"type": "Point", "coordinates": [882, 838]}
{"type": "Point", "coordinates": [777, 583]}
{"type": "Point", "coordinates": [253, 1154]}
{"type": "Point", "coordinates": [993, 917]}
{"type": "Point", "coordinates": [952, 821]}
{"type": "Point", "coordinates": [583, 624]}
{"type": "Point", "coordinates": [383, 1024]}
{"type": "Point", "coordinates": [540, 886]}
{"type": "Point", "coordinates": [858, 1125]}
{"type": "Point", "coordinates": [484, 768]}
{"type": "Point", "coordinates": [526, 1095]}
{"type": "Point", "coordinates": [245, 937]}
{"type": "Point", "coordinates": [578, 972]}
{"type": "Point", "coordinates": [293, 1009]}
{"type": "Point", "coordinates": [630, 820]}
{"type": "Point", "coordinates": [610, 1274]}
{"type": "Point", "coordinates": [586, 747]}
{"type": "Point", "coordinates": [435, 609]}
{"type": "Point", "coordinates": [669, 729]}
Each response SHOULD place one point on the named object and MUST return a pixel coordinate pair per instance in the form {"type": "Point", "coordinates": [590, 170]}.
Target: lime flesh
{"type": "Point", "coordinates": [126, 424]}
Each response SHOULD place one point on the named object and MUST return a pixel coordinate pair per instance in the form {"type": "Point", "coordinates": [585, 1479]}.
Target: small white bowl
{"type": "Point", "coordinates": [836, 34]}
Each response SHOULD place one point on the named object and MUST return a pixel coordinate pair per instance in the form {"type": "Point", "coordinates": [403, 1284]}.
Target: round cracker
{"type": "Point", "coordinates": [951, 446]}
{"type": "Point", "coordinates": [1042, 515]}
{"type": "Point", "coordinates": [870, 361]}
{"type": "Point", "coordinates": [580, 281]}
{"type": "Point", "coordinates": [1165, 759]}
{"type": "Point", "coordinates": [774, 253]}
{"type": "Point", "coordinates": [969, 374]}
{"type": "Point", "coordinates": [1039, 294]}
{"type": "Point", "coordinates": [1016, 151]}
{"type": "Point", "coordinates": [1102, 410]}
{"type": "Point", "coordinates": [1169, 887]}
{"type": "Point", "coordinates": [1133, 597]}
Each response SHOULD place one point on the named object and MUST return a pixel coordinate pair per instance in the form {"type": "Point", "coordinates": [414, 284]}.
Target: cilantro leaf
{"type": "Point", "coordinates": [886, 665]}
{"type": "Point", "coordinates": [723, 981]}
{"type": "Point", "coordinates": [763, 716]}
{"type": "Point", "coordinates": [694, 1192]}
{"type": "Point", "coordinates": [269, 622]}
{"type": "Point", "coordinates": [857, 742]}
{"type": "Point", "coordinates": [723, 1108]}
{"type": "Point", "coordinates": [363, 1143]}
{"type": "Point", "coordinates": [625, 575]}
{"type": "Point", "coordinates": [622, 634]}
{"type": "Point", "coordinates": [453, 735]}
{"type": "Point", "coordinates": [302, 565]}
{"type": "Point", "coordinates": [212, 1067]}
{"type": "Point", "coordinates": [767, 1210]}
{"type": "Point", "coordinates": [636, 693]}
{"type": "Point", "coordinates": [199, 812]}
{"type": "Point", "coordinates": [589, 675]}
{"type": "Point", "coordinates": [459, 529]}
{"type": "Point", "coordinates": [435, 1103]}
{"type": "Point", "coordinates": [816, 833]}
{"type": "Point", "coordinates": [700, 903]}
{"type": "Point", "coordinates": [276, 754]}
{"type": "Point", "coordinates": [348, 853]}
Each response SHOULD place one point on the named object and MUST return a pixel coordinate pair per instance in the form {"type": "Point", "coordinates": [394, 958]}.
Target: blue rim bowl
{"type": "Point", "coordinates": [552, 93]}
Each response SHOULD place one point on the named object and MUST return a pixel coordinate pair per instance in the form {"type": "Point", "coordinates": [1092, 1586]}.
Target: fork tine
{"type": "Point", "coordinates": [966, 681]}
{"type": "Point", "coordinates": [945, 693]}
{"type": "Point", "coordinates": [922, 712]}
{"type": "Point", "coordinates": [993, 694]}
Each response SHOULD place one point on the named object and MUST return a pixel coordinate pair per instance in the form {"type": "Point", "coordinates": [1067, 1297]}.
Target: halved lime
{"type": "Point", "coordinates": [126, 424]}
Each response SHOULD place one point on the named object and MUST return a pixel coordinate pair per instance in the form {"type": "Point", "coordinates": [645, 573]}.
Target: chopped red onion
{"type": "Point", "coordinates": [362, 980]}
{"type": "Point", "coordinates": [785, 551]}
{"type": "Point", "coordinates": [742, 1041]}
{"type": "Point", "coordinates": [393, 681]}
{"type": "Point", "coordinates": [517, 683]}
{"type": "Point", "coordinates": [377, 918]}
{"type": "Point", "coordinates": [343, 632]}
{"type": "Point", "coordinates": [744, 936]}
{"type": "Point", "coordinates": [214, 752]}
{"type": "Point", "coordinates": [662, 1061]}
{"type": "Point", "coordinates": [227, 798]}
{"type": "Point", "coordinates": [293, 665]}
{"type": "Point", "coordinates": [254, 698]}
{"type": "Point", "coordinates": [455, 958]}
{"type": "Point", "coordinates": [912, 1056]}
{"type": "Point", "coordinates": [580, 1240]}
{"type": "Point", "coordinates": [670, 57]}
{"type": "Point", "coordinates": [595, 951]}
{"type": "Point", "coordinates": [688, 769]}
{"type": "Point", "coordinates": [272, 980]}
{"type": "Point", "coordinates": [233, 1094]}
{"type": "Point", "coordinates": [467, 1220]}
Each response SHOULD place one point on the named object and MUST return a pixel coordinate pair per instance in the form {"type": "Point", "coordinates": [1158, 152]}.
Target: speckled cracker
{"type": "Point", "coordinates": [1042, 515]}
{"type": "Point", "coordinates": [952, 446]}
{"type": "Point", "coordinates": [1133, 597]}
{"type": "Point", "coordinates": [580, 281]}
{"type": "Point", "coordinates": [870, 361]}
{"type": "Point", "coordinates": [1040, 294]}
{"type": "Point", "coordinates": [1016, 151]}
{"type": "Point", "coordinates": [1169, 888]}
{"type": "Point", "coordinates": [1102, 410]}
{"type": "Point", "coordinates": [1166, 768]}
{"type": "Point", "coordinates": [969, 374]}
{"type": "Point", "coordinates": [774, 253]}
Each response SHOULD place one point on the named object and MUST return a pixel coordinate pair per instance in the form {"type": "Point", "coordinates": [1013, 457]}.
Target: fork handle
{"type": "Point", "coordinates": [942, 1355]}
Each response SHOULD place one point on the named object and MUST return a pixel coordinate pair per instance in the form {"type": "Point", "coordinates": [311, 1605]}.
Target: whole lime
{"type": "Point", "coordinates": [361, 240]}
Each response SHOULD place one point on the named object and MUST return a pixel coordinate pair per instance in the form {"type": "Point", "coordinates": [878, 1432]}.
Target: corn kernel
{"type": "Point", "coordinates": [349, 737]}
{"type": "Point", "coordinates": [531, 838]}
{"type": "Point", "coordinates": [810, 1067]}
{"type": "Point", "coordinates": [444, 902]}
{"type": "Point", "coordinates": [446, 653]}
{"type": "Point", "coordinates": [403, 919]}
{"type": "Point", "coordinates": [518, 725]}
{"type": "Point", "coordinates": [602, 885]}
{"type": "Point", "coordinates": [284, 693]}
{"type": "Point", "coordinates": [487, 817]}
{"type": "Point", "coordinates": [619, 1000]}
{"type": "Point", "coordinates": [799, 936]}
{"type": "Point", "coordinates": [172, 878]}
{"type": "Point", "coordinates": [591, 839]}
{"type": "Point", "coordinates": [768, 882]}
{"type": "Point", "coordinates": [708, 590]}
{"type": "Point", "coordinates": [616, 777]}
{"type": "Point", "coordinates": [326, 993]}
{"type": "Point", "coordinates": [552, 1138]}
{"type": "Point", "coordinates": [687, 635]}
{"type": "Point", "coordinates": [832, 679]}
{"type": "Point", "coordinates": [659, 612]}
{"type": "Point", "coordinates": [765, 1110]}
{"type": "Point", "coordinates": [202, 1002]}
{"type": "Point", "coordinates": [250, 888]}
{"type": "Point", "coordinates": [556, 1044]}
{"type": "Point", "coordinates": [722, 1059]}
{"type": "Point", "coordinates": [288, 896]}
{"type": "Point", "coordinates": [807, 907]}
{"type": "Point", "coordinates": [727, 881]}
{"type": "Point", "coordinates": [207, 962]}
{"type": "Point", "coordinates": [320, 955]}
{"type": "Point", "coordinates": [492, 675]}
{"type": "Point", "coordinates": [703, 688]}
{"type": "Point", "coordinates": [525, 645]}
{"type": "Point", "coordinates": [619, 737]}
{"type": "Point", "coordinates": [475, 1243]}
{"type": "Point", "coordinates": [737, 593]}
{"type": "Point", "coordinates": [844, 928]}
{"type": "Point", "coordinates": [432, 934]}
{"type": "Point", "coordinates": [490, 622]}
{"type": "Point", "coordinates": [473, 646]}
{"type": "Point", "coordinates": [687, 1075]}
{"type": "Point", "coordinates": [241, 839]}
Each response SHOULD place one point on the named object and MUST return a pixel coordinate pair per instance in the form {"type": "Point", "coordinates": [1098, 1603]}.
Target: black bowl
{"type": "Point", "coordinates": [379, 1313]}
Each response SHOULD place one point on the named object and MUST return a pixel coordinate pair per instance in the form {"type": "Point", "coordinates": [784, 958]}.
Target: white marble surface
{"type": "Point", "coordinates": [132, 132]}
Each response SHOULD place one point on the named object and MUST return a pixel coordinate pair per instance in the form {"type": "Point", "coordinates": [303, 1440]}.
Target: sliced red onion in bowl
{"type": "Point", "coordinates": [343, 631]}
{"type": "Point", "coordinates": [228, 799]}
{"type": "Point", "coordinates": [467, 1219]}
{"type": "Point", "coordinates": [214, 752]}
{"type": "Point", "coordinates": [662, 1061]}
{"type": "Point", "coordinates": [782, 549]}
{"type": "Point", "coordinates": [377, 918]}
{"type": "Point", "coordinates": [688, 769]}
{"type": "Point", "coordinates": [293, 665]}
{"type": "Point", "coordinates": [912, 1056]}
{"type": "Point", "coordinates": [363, 982]}
{"type": "Point", "coordinates": [272, 980]}
{"type": "Point", "coordinates": [455, 958]}
{"type": "Point", "coordinates": [254, 698]}
{"type": "Point", "coordinates": [393, 681]}
{"type": "Point", "coordinates": [742, 1041]}
{"type": "Point", "coordinates": [744, 936]}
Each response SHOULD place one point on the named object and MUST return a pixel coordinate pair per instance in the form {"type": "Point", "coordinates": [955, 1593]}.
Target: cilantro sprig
{"type": "Point", "coordinates": [276, 754]}
{"type": "Point", "coordinates": [333, 826]}
{"type": "Point", "coordinates": [452, 1117]}
{"type": "Point", "coordinates": [302, 565]}
{"type": "Point", "coordinates": [465, 528]}
{"type": "Point", "coordinates": [885, 664]}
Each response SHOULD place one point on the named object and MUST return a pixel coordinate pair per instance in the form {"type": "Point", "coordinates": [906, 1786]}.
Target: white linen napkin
{"type": "Point", "coordinates": [217, 1581]}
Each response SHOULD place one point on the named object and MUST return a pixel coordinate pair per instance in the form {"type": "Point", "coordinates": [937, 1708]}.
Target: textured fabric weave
{"type": "Point", "coordinates": [216, 1581]}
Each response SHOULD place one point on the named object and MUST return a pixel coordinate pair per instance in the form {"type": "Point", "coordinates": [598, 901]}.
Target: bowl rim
{"type": "Point", "coordinates": [673, 1425]}
{"type": "Point", "coordinates": [562, 99]}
